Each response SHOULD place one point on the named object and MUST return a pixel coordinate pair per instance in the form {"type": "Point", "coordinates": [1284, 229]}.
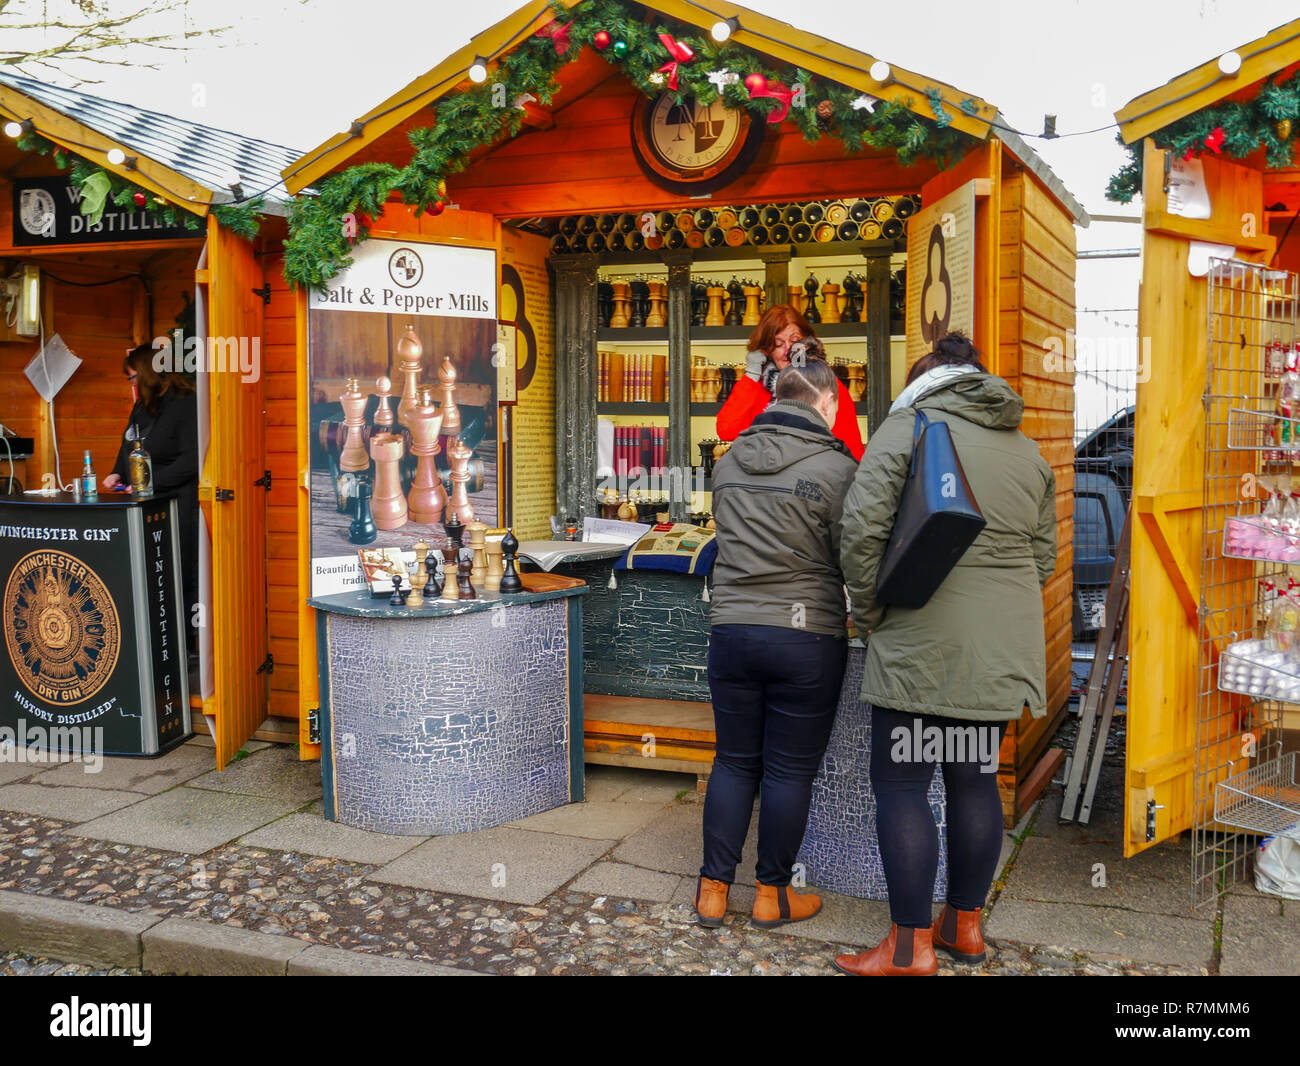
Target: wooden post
{"type": "Point", "coordinates": [679, 383]}
{"type": "Point", "coordinates": [875, 317]}
{"type": "Point", "coordinates": [575, 384]}
{"type": "Point", "coordinates": [776, 283]}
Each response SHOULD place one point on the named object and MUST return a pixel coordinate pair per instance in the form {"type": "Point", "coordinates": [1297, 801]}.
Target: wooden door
{"type": "Point", "coordinates": [233, 504]}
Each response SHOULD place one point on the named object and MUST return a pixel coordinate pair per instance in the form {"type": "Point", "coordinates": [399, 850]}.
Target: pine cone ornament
{"type": "Point", "coordinates": [825, 116]}
{"type": "Point", "coordinates": [1282, 127]}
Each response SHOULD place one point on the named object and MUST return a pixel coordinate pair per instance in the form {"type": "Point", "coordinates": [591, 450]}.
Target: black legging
{"type": "Point", "coordinates": [909, 839]}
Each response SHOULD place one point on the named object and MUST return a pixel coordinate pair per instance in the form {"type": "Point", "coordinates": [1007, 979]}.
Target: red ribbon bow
{"type": "Point", "coordinates": [778, 92]}
{"type": "Point", "coordinates": [680, 54]}
{"type": "Point", "coordinates": [558, 34]}
{"type": "Point", "coordinates": [1215, 140]}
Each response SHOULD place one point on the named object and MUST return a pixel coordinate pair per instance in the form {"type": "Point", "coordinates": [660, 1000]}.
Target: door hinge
{"type": "Point", "coordinates": [264, 292]}
{"type": "Point", "coordinates": [313, 725]}
{"type": "Point", "coordinates": [264, 481]}
{"type": "Point", "coordinates": [268, 665]}
{"type": "Point", "coordinates": [224, 494]}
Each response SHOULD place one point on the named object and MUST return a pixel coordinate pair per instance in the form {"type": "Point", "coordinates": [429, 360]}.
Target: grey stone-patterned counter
{"type": "Point", "coordinates": [457, 716]}
{"type": "Point", "coordinates": [840, 851]}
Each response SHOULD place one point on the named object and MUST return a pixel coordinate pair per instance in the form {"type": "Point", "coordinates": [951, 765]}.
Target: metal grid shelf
{"type": "Point", "coordinates": [1255, 668]}
{"type": "Point", "coordinates": [1249, 537]}
{"type": "Point", "coordinates": [1261, 431]}
{"type": "Point", "coordinates": [1264, 799]}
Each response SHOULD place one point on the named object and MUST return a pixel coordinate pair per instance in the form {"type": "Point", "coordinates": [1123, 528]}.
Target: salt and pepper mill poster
{"type": "Point", "coordinates": [404, 416]}
{"type": "Point", "coordinates": [941, 271]}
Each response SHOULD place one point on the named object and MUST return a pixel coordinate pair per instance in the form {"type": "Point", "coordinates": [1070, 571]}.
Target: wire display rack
{"type": "Point", "coordinates": [1263, 799]}
{"type": "Point", "coordinates": [1252, 314]}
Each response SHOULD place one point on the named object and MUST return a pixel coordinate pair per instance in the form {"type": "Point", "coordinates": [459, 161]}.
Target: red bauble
{"type": "Point", "coordinates": [438, 207]}
{"type": "Point", "coordinates": [601, 40]}
{"type": "Point", "coordinates": [755, 83]}
{"type": "Point", "coordinates": [139, 199]}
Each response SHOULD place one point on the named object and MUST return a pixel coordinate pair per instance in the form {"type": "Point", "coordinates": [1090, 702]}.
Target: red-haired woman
{"type": "Point", "coordinates": [769, 353]}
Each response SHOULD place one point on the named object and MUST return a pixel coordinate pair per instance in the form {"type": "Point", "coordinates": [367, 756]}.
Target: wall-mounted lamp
{"type": "Point", "coordinates": [233, 181]}
{"type": "Point", "coordinates": [881, 73]}
{"type": "Point", "coordinates": [724, 28]}
{"type": "Point", "coordinates": [23, 288]}
{"type": "Point", "coordinates": [1229, 64]}
{"type": "Point", "coordinates": [17, 129]}
{"type": "Point", "coordinates": [478, 70]}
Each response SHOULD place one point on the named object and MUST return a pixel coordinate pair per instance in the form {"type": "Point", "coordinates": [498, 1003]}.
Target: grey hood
{"type": "Point", "coordinates": [984, 399]}
{"type": "Point", "coordinates": [786, 433]}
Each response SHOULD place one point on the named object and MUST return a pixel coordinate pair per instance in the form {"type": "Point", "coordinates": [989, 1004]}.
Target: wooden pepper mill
{"type": "Point", "coordinates": [464, 568]}
{"type": "Point", "coordinates": [383, 413]}
{"type": "Point", "coordinates": [353, 457]}
{"type": "Point", "coordinates": [810, 311]}
{"type": "Point", "coordinates": [509, 552]}
{"type": "Point", "coordinates": [389, 505]}
{"type": "Point", "coordinates": [715, 316]}
{"type": "Point", "coordinates": [495, 567]}
{"type": "Point", "coordinates": [431, 568]}
{"type": "Point", "coordinates": [657, 317]}
{"type": "Point", "coordinates": [427, 498]}
{"type": "Point", "coordinates": [450, 584]}
{"type": "Point", "coordinates": [752, 313]}
{"type": "Point", "coordinates": [362, 529]}
{"type": "Point", "coordinates": [830, 302]}
{"type": "Point", "coordinates": [796, 297]}
{"type": "Point", "coordinates": [420, 578]}
{"type": "Point", "coordinates": [478, 546]}
{"type": "Point", "coordinates": [618, 319]}
{"type": "Point", "coordinates": [409, 353]}
{"type": "Point", "coordinates": [458, 457]}
{"type": "Point", "coordinates": [450, 409]}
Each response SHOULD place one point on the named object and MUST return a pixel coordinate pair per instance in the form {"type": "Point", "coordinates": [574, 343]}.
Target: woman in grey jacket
{"type": "Point", "coordinates": [777, 647]}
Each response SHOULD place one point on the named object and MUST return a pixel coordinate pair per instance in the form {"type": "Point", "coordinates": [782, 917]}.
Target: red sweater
{"type": "Point", "coordinates": [749, 399]}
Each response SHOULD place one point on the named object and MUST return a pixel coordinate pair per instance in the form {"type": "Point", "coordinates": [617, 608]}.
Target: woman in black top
{"type": "Point", "coordinates": [165, 419]}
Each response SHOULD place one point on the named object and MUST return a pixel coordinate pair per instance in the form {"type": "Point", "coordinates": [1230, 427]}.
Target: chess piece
{"type": "Point", "coordinates": [450, 589]}
{"type": "Point", "coordinates": [604, 303]}
{"type": "Point", "coordinates": [626, 512]}
{"type": "Point", "coordinates": [810, 311]}
{"type": "Point", "coordinates": [353, 457]}
{"type": "Point", "coordinates": [752, 314]}
{"type": "Point", "coordinates": [735, 303]}
{"type": "Point", "coordinates": [397, 599]}
{"type": "Point", "coordinates": [458, 456]}
{"type": "Point", "coordinates": [464, 569]}
{"type": "Point", "coordinates": [409, 352]}
{"type": "Point", "coordinates": [421, 553]}
{"type": "Point", "coordinates": [509, 553]}
{"type": "Point", "coordinates": [796, 299]}
{"type": "Point", "coordinates": [657, 318]}
{"type": "Point", "coordinates": [419, 579]}
{"type": "Point", "coordinates": [699, 303]}
{"type": "Point", "coordinates": [715, 317]}
{"type": "Point", "coordinates": [389, 506]}
{"type": "Point", "coordinates": [362, 530]}
{"type": "Point", "coordinates": [455, 532]}
{"type": "Point", "coordinates": [712, 383]}
{"type": "Point", "coordinates": [495, 567]}
{"type": "Point", "coordinates": [478, 546]}
{"type": "Point", "coordinates": [427, 498]}
{"type": "Point", "coordinates": [450, 410]}
{"type": "Point", "coordinates": [639, 298]}
{"type": "Point", "coordinates": [383, 413]}
{"type": "Point", "coordinates": [431, 568]}
{"type": "Point", "coordinates": [831, 296]}
{"type": "Point", "coordinates": [852, 290]}
{"type": "Point", "coordinates": [618, 319]}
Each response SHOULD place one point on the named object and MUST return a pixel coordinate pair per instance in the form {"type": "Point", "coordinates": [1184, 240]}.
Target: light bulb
{"type": "Point", "coordinates": [724, 28]}
{"type": "Point", "coordinates": [116, 156]}
{"type": "Point", "coordinates": [880, 72]}
{"type": "Point", "coordinates": [1229, 63]}
{"type": "Point", "coordinates": [478, 70]}
{"type": "Point", "coordinates": [13, 129]}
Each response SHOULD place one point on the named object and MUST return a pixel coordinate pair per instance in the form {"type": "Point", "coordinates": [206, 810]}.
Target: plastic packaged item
{"type": "Point", "coordinates": [1283, 622]}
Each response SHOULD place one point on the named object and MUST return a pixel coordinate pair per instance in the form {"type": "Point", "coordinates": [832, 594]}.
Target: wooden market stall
{"type": "Point", "coordinates": [538, 141]}
{"type": "Point", "coordinates": [1213, 159]}
{"type": "Point", "coordinates": [140, 273]}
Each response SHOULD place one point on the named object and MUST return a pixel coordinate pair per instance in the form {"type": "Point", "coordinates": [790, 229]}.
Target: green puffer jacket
{"type": "Point", "coordinates": [975, 651]}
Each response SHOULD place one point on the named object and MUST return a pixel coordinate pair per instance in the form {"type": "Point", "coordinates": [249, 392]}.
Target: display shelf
{"type": "Point", "coordinates": [1264, 799]}
{"type": "Point", "coordinates": [1253, 431]}
{"type": "Point", "coordinates": [631, 335]}
{"type": "Point", "coordinates": [1248, 537]}
{"type": "Point", "coordinates": [634, 408]}
{"type": "Point", "coordinates": [1258, 669]}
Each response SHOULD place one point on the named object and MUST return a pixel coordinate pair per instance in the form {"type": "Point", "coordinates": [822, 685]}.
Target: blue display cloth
{"type": "Point", "coordinates": [673, 547]}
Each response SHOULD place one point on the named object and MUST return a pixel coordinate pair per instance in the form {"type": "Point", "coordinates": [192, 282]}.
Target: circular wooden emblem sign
{"type": "Point", "coordinates": [690, 147]}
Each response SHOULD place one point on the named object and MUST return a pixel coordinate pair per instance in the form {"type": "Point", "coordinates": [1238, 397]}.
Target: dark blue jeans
{"type": "Point", "coordinates": [774, 696]}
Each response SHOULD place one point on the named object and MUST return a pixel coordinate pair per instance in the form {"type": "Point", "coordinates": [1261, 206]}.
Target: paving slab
{"type": "Point", "coordinates": [1138, 935]}
{"type": "Point", "coordinates": [310, 834]}
{"type": "Point", "coordinates": [673, 843]}
{"type": "Point", "coordinates": [1259, 937]}
{"type": "Point", "coordinates": [72, 932]}
{"type": "Point", "coordinates": [64, 802]}
{"type": "Point", "coordinates": [189, 820]}
{"type": "Point", "coordinates": [507, 864]}
{"type": "Point", "coordinates": [599, 820]}
{"type": "Point", "coordinates": [655, 786]}
{"type": "Point", "coordinates": [204, 740]}
{"type": "Point", "coordinates": [842, 919]}
{"type": "Point", "coordinates": [1056, 869]}
{"type": "Point", "coordinates": [621, 881]}
{"type": "Point", "coordinates": [17, 771]}
{"type": "Point", "coordinates": [276, 774]}
{"type": "Point", "coordinates": [320, 961]}
{"type": "Point", "coordinates": [186, 947]}
{"type": "Point", "coordinates": [147, 776]}
{"type": "Point", "coordinates": [610, 782]}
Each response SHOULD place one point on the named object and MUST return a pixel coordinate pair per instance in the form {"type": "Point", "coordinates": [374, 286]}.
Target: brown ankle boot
{"type": "Point", "coordinates": [958, 933]}
{"type": "Point", "coordinates": [711, 901]}
{"type": "Point", "coordinates": [904, 953]}
{"type": "Point", "coordinates": [777, 904]}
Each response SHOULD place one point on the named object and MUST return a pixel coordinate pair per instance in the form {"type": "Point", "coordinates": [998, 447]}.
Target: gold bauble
{"type": "Point", "coordinates": [1282, 127]}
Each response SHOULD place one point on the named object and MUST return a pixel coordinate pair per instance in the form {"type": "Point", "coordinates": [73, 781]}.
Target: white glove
{"type": "Point", "coordinates": [754, 365]}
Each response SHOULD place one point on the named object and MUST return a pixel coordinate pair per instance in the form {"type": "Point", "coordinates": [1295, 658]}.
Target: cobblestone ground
{"type": "Point", "coordinates": [328, 901]}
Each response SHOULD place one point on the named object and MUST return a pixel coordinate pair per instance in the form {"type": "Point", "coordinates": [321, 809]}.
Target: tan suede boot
{"type": "Point", "coordinates": [904, 953]}
{"type": "Point", "coordinates": [775, 905]}
{"type": "Point", "coordinates": [958, 934]}
{"type": "Point", "coordinates": [711, 901]}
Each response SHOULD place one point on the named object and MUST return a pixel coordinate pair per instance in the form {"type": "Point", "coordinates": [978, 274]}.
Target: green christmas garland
{"type": "Point", "coordinates": [324, 228]}
{"type": "Point", "coordinates": [90, 179]}
{"type": "Point", "coordinates": [1270, 120]}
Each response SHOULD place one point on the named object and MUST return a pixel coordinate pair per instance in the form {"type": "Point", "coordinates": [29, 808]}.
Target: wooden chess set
{"type": "Point", "coordinates": [469, 562]}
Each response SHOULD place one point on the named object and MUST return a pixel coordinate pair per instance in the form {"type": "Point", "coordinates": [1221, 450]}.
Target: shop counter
{"type": "Point", "coordinates": [450, 717]}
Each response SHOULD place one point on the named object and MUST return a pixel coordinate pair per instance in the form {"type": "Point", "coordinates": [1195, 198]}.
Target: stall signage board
{"type": "Point", "coordinates": [48, 211]}
{"type": "Point", "coordinates": [941, 271]}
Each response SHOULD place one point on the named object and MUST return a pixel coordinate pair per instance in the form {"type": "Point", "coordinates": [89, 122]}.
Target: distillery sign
{"type": "Point", "coordinates": [412, 278]}
{"type": "Point", "coordinates": [48, 211]}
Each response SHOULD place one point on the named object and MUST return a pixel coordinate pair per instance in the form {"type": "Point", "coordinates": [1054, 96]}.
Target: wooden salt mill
{"type": "Point", "coordinates": [383, 413]}
{"type": "Point", "coordinates": [509, 552]}
{"type": "Point", "coordinates": [712, 383]}
{"type": "Point", "coordinates": [450, 409]}
{"type": "Point", "coordinates": [752, 313]}
{"type": "Point", "coordinates": [409, 352]}
{"type": "Point", "coordinates": [427, 498]}
{"type": "Point", "coordinates": [495, 569]}
{"type": "Point", "coordinates": [431, 568]}
{"type": "Point", "coordinates": [478, 545]}
{"type": "Point", "coordinates": [618, 319]}
{"type": "Point", "coordinates": [830, 302]}
{"type": "Point", "coordinates": [420, 578]}
{"type": "Point", "coordinates": [450, 589]}
{"type": "Point", "coordinates": [810, 311]}
{"type": "Point", "coordinates": [463, 569]}
{"type": "Point", "coordinates": [796, 297]}
{"type": "Point", "coordinates": [388, 505]}
{"type": "Point", "coordinates": [715, 317]}
{"type": "Point", "coordinates": [657, 317]}
{"type": "Point", "coordinates": [353, 457]}
{"type": "Point", "coordinates": [458, 457]}
{"type": "Point", "coordinates": [697, 380]}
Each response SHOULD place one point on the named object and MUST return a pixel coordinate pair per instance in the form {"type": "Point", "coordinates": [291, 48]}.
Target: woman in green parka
{"type": "Point", "coordinates": [944, 680]}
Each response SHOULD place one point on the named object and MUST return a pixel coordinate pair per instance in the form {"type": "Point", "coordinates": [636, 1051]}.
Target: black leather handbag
{"type": "Point", "coordinates": [937, 520]}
